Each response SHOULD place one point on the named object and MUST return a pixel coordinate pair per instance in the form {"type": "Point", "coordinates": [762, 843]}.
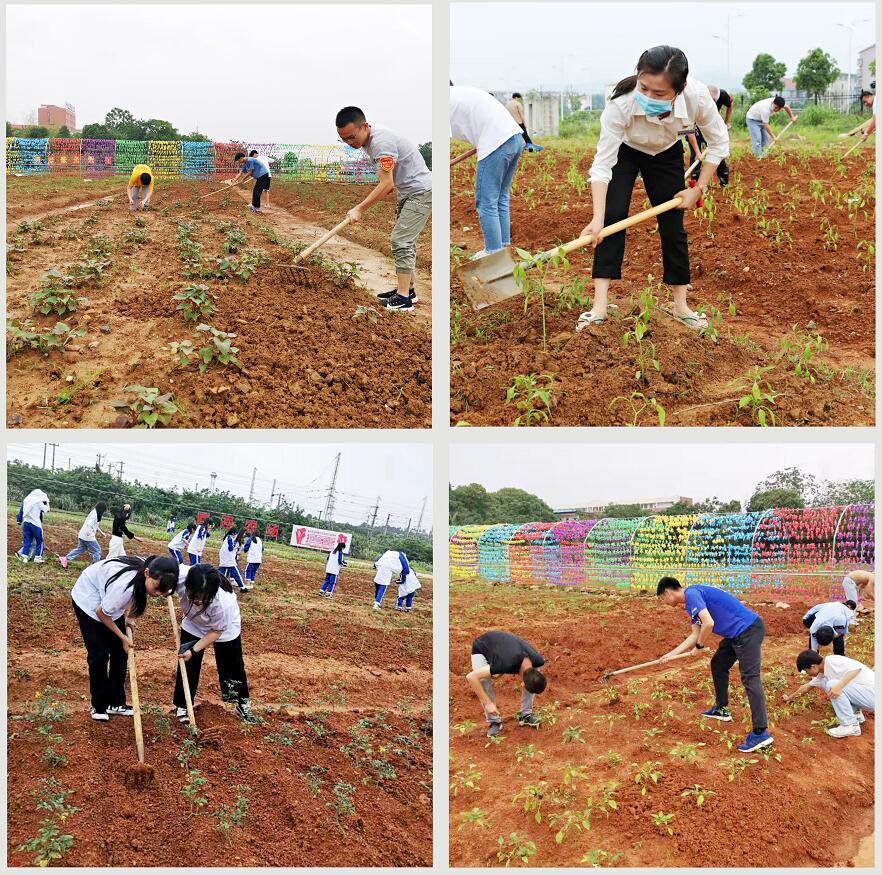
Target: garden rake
{"type": "Point", "coordinates": [295, 274]}
{"type": "Point", "coordinates": [141, 775]}
{"type": "Point", "coordinates": [608, 674]}
{"type": "Point", "coordinates": [210, 735]}
{"type": "Point", "coordinates": [491, 279]}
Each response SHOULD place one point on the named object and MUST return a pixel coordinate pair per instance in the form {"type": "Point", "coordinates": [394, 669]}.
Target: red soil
{"type": "Point", "coordinates": [582, 635]}
{"type": "Point", "coordinates": [331, 665]}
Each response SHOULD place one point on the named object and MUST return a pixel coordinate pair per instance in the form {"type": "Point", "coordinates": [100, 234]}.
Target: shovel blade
{"type": "Point", "coordinates": [490, 279]}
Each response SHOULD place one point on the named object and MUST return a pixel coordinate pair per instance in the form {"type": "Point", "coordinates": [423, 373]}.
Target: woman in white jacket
{"type": "Point", "coordinates": [34, 505]}
{"type": "Point", "coordinates": [332, 569]}
{"type": "Point", "coordinates": [87, 538]}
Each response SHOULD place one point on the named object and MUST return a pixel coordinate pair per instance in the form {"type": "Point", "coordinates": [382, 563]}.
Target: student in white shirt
{"type": "Point", "coordinates": [87, 538]}
{"type": "Point", "coordinates": [178, 544]}
{"type": "Point", "coordinates": [262, 159]}
{"type": "Point", "coordinates": [828, 623]}
{"type": "Point", "coordinates": [408, 584]}
{"type": "Point", "coordinates": [30, 515]}
{"type": "Point", "coordinates": [253, 550]}
{"type": "Point", "coordinates": [847, 683]}
{"type": "Point", "coordinates": [211, 617]}
{"type": "Point", "coordinates": [388, 564]}
{"type": "Point", "coordinates": [332, 570]}
{"type": "Point", "coordinates": [106, 598]}
{"type": "Point", "coordinates": [170, 525]}
{"type": "Point", "coordinates": [640, 132]}
{"type": "Point", "coordinates": [758, 117]}
{"type": "Point", "coordinates": [478, 118]}
{"type": "Point", "coordinates": [196, 545]}
{"type": "Point", "coordinates": [229, 551]}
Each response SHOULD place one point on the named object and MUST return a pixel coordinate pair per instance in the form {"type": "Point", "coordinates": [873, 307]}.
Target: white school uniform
{"type": "Point", "coordinates": [222, 615]}
{"type": "Point", "coordinates": [333, 565]}
{"type": "Point", "coordinates": [411, 584]}
{"type": "Point", "coordinates": [197, 541]}
{"type": "Point", "coordinates": [34, 504]}
{"type": "Point", "coordinates": [179, 542]}
{"type": "Point", "coordinates": [624, 121]}
{"type": "Point", "coordinates": [254, 554]}
{"type": "Point", "coordinates": [91, 591]}
{"type": "Point", "coordinates": [89, 528]}
{"type": "Point", "coordinates": [229, 550]}
{"type": "Point", "coordinates": [388, 566]}
{"type": "Point", "coordinates": [116, 547]}
{"type": "Point", "coordinates": [837, 667]}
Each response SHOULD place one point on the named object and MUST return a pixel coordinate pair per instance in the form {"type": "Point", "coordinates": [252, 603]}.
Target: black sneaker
{"type": "Point", "coordinates": [392, 293]}
{"type": "Point", "coordinates": [398, 303]}
{"type": "Point", "coordinates": [121, 711]}
{"type": "Point", "coordinates": [530, 720]}
{"type": "Point", "coordinates": [494, 729]}
{"type": "Point", "coordinates": [245, 714]}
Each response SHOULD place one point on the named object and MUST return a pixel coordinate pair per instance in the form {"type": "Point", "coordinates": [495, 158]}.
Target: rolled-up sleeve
{"type": "Point", "coordinates": [713, 129]}
{"type": "Point", "coordinates": [612, 134]}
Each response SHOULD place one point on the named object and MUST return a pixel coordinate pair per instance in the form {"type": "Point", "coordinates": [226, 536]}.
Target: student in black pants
{"type": "Point", "coordinates": [106, 598]}
{"type": "Point", "coordinates": [211, 618]}
{"type": "Point", "coordinates": [640, 132]}
{"type": "Point", "coordinates": [721, 98]}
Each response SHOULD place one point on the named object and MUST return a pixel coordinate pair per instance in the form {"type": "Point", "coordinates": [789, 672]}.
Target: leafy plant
{"type": "Point", "coordinates": [342, 804]}
{"type": "Point", "coordinates": [531, 398]}
{"type": "Point", "coordinates": [698, 793]}
{"type": "Point", "coordinates": [219, 347]}
{"type": "Point", "coordinates": [638, 333]}
{"type": "Point", "coordinates": [800, 349]}
{"type": "Point", "coordinates": [192, 790]}
{"type": "Point", "coordinates": [229, 816]}
{"type": "Point", "coordinates": [736, 765]}
{"type": "Point", "coordinates": [195, 301]}
{"type": "Point", "coordinates": [639, 405]}
{"type": "Point", "coordinates": [533, 796]}
{"type": "Point", "coordinates": [465, 726]}
{"type": "Point", "coordinates": [597, 858]}
{"type": "Point", "coordinates": [662, 822]}
{"type": "Point", "coordinates": [524, 752]}
{"type": "Point", "coordinates": [573, 734]}
{"type": "Point", "coordinates": [530, 275]}
{"type": "Point", "coordinates": [56, 298]}
{"type": "Point", "coordinates": [149, 408]}
{"type": "Point", "coordinates": [760, 396]}
{"type": "Point", "coordinates": [465, 779]}
{"type": "Point", "coordinates": [547, 713]}
{"type": "Point", "coordinates": [646, 773]}
{"type": "Point", "coordinates": [49, 844]}
{"type": "Point", "coordinates": [23, 336]}
{"type": "Point", "coordinates": [369, 313]}
{"type": "Point", "coordinates": [474, 817]}
{"type": "Point", "coordinates": [514, 849]}
{"type": "Point", "coordinates": [343, 274]}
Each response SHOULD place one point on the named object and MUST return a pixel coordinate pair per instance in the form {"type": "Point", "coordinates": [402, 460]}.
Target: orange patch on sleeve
{"type": "Point", "coordinates": [387, 162]}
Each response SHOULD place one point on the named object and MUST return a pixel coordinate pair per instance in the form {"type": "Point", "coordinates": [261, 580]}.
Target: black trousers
{"type": "Point", "coordinates": [525, 135]}
{"type": "Point", "coordinates": [722, 167]}
{"type": "Point", "coordinates": [261, 184]}
{"type": "Point", "coordinates": [838, 645]}
{"type": "Point", "coordinates": [746, 650]}
{"type": "Point", "coordinates": [663, 178]}
{"type": "Point", "coordinates": [106, 659]}
{"type": "Point", "coordinates": [230, 671]}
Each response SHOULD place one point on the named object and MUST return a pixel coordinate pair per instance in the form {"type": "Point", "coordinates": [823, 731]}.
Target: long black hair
{"type": "Point", "coordinates": [659, 59]}
{"type": "Point", "coordinates": [100, 507]}
{"type": "Point", "coordinates": [163, 568]}
{"type": "Point", "coordinates": [202, 583]}
{"type": "Point", "coordinates": [234, 530]}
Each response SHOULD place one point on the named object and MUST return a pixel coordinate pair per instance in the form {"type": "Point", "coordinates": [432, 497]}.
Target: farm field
{"type": "Point", "coordinates": [297, 358]}
{"type": "Point", "coordinates": [345, 750]}
{"type": "Point", "coordinates": [627, 773]}
{"type": "Point", "coordinates": [783, 262]}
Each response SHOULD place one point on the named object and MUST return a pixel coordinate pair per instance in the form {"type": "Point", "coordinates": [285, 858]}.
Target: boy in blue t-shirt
{"type": "Point", "coordinates": [713, 610]}
{"type": "Point", "coordinates": [254, 168]}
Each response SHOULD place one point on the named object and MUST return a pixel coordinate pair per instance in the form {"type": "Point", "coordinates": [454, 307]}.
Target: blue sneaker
{"type": "Point", "coordinates": [718, 713]}
{"type": "Point", "coordinates": [755, 741]}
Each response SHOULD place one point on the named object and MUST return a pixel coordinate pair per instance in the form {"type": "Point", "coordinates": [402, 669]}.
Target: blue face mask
{"type": "Point", "coordinates": [652, 107]}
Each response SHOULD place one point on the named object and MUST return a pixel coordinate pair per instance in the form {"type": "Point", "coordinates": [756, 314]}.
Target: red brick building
{"type": "Point", "coordinates": [51, 116]}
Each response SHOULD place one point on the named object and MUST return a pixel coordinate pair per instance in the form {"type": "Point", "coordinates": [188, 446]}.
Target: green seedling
{"type": "Point", "coordinates": [734, 766]}
{"type": "Point", "coordinates": [640, 404]}
{"type": "Point", "coordinates": [192, 790]}
{"type": "Point", "coordinates": [647, 773]}
{"type": "Point", "coordinates": [474, 817]}
{"type": "Point", "coordinates": [598, 859]}
{"type": "Point", "coordinates": [573, 734]}
{"type": "Point", "coordinates": [533, 796]}
{"type": "Point", "coordinates": [524, 752]}
{"type": "Point", "coordinates": [196, 302]}
{"type": "Point", "coordinates": [149, 408]}
{"type": "Point", "coordinates": [686, 751]}
{"type": "Point", "coordinates": [23, 336]}
{"type": "Point", "coordinates": [464, 727]}
{"type": "Point", "coordinates": [698, 793]}
{"type": "Point", "coordinates": [514, 850]}
{"type": "Point", "coordinates": [465, 779]}
{"type": "Point", "coordinates": [662, 822]}
{"type": "Point", "coordinates": [49, 844]}
{"type": "Point", "coordinates": [230, 816]}
{"type": "Point", "coordinates": [219, 348]}
{"type": "Point", "coordinates": [800, 350]}
{"type": "Point", "coordinates": [759, 397]}
{"type": "Point", "coordinates": [531, 394]}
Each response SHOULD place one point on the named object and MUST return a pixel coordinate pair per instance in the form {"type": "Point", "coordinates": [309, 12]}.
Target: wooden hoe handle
{"type": "Point", "coordinates": [463, 156]}
{"type": "Point", "coordinates": [136, 700]}
{"type": "Point", "coordinates": [321, 241]}
{"type": "Point", "coordinates": [191, 716]}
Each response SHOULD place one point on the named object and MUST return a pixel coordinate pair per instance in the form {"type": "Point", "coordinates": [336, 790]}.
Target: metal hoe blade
{"type": "Point", "coordinates": [490, 279]}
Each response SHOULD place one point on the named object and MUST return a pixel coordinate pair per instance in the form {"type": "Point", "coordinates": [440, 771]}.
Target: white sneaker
{"type": "Point", "coordinates": [100, 716]}
{"type": "Point", "coordinates": [121, 711]}
{"type": "Point", "coordinates": [479, 254]}
{"type": "Point", "coordinates": [22, 558]}
{"type": "Point", "coordinates": [38, 560]}
{"type": "Point", "coordinates": [181, 714]}
{"type": "Point", "coordinates": [845, 731]}
{"type": "Point", "coordinates": [376, 607]}
{"type": "Point", "coordinates": [860, 716]}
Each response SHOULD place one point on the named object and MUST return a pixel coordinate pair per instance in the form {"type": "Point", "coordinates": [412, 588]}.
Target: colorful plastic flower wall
{"type": "Point", "coordinates": [184, 160]}
{"type": "Point", "coordinates": [777, 551]}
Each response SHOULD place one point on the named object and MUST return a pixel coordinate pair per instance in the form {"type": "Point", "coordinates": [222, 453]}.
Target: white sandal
{"type": "Point", "coordinates": [587, 319]}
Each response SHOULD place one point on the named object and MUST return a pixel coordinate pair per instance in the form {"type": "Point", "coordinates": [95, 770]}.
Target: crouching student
{"type": "Point", "coordinates": [177, 546]}
{"type": "Point", "coordinates": [496, 653]}
{"type": "Point", "coordinates": [211, 618]}
{"type": "Point", "coordinates": [140, 187]}
{"type": "Point", "coordinates": [335, 562]}
{"type": "Point", "coordinates": [106, 598]}
{"type": "Point", "coordinates": [30, 516]}
{"type": "Point", "coordinates": [119, 530]}
{"type": "Point", "coordinates": [227, 557]}
{"type": "Point", "coordinates": [408, 584]}
{"type": "Point", "coordinates": [848, 684]}
{"type": "Point", "coordinates": [389, 564]}
{"type": "Point", "coordinates": [196, 545]}
{"type": "Point", "coordinates": [253, 557]}
{"type": "Point", "coordinates": [828, 624]}
{"type": "Point", "coordinates": [860, 586]}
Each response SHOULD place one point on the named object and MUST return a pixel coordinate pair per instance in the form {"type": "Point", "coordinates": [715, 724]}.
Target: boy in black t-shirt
{"type": "Point", "coordinates": [495, 653]}
{"type": "Point", "coordinates": [721, 98]}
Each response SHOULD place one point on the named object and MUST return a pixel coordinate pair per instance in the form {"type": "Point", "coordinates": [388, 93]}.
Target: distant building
{"type": "Point", "coordinates": [51, 116]}
{"type": "Point", "coordinates": [864, 75]}
{"type": "Point", "coordinates": [647, 506]}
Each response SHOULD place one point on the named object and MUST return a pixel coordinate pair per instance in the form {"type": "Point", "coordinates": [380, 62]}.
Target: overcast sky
{"type": "Point", "coordinates": [400, 474]}
{"type": "Point", "coordinates": [576, 475]}
{"type": "Point", "coordinates": [275, 74]}
{"type": "Point", "coordinates": [588, 45]}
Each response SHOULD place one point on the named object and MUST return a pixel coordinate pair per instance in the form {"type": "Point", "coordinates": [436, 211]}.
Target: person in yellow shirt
{"type": "Point", "coordinates": [140, 187]}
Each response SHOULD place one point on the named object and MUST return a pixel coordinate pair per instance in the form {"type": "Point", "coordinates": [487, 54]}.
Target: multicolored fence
{"type": "Point", "coordinates": [184, 159]}
{"type": "Point", "coordinates": [781, 550]}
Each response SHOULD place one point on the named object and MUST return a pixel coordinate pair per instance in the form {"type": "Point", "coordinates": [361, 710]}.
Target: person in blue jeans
{"type": "Point", "coordinates": [714, 611]}
{"type": "Point", "coordinates": [87, 537]}
{"type": "Point", "coordinates": [256, 169]}
{"type": "Point", "coordinates": [758, 117]}
{"type": "Point", "coordinates": [30, 517]}
{"type": "Point", "coordinates": [478, 118]}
